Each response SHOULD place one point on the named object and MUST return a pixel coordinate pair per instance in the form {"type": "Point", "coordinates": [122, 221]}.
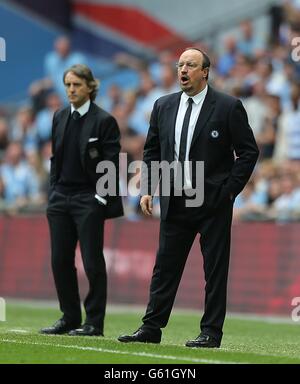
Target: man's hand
{"type": "Point", "coordinates": [146, 205]}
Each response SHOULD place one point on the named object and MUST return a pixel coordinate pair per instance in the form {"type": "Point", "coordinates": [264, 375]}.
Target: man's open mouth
{"type": "Point", "coordinates": [184, 79]}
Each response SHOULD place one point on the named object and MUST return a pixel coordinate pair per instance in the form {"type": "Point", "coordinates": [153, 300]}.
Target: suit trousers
{"type": "Point", "coordinates": [74, 218]}
{"type": "Point", "coordinates": [177, 234]}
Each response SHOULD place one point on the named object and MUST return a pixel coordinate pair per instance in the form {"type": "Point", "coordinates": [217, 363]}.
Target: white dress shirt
{"type": "Point", "coordinates": [83, 109]}
{"type": "Point", "coordinates": [196, 108]}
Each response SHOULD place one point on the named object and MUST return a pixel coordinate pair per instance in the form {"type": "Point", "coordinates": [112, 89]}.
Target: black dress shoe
{"type": "Point", "coordinates": [86, 330]}
{"type": "Point", "coordinates": [59, 328]}
{"type": "Point", "coordinates": [203, 341]}
{"type": "Point", "coordinates": [141, 336]}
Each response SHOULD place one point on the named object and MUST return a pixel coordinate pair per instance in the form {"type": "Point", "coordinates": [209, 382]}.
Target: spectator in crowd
{"type": "Point", "coordinates": [287, 145]}
{"type": "Point", "coordinates": [267, 137]}
{"type": "Point", "coordinates": [155, 66]}
{"type": "Point", "coordinates": [4, 136]}
{"type": "Point", "coordinates": [44, 118]}
{"type": "Point", "coordinates": [240, 76]}
{"type": "Point", "coordinates": [168, 85]}
{"type": "Point", "coordinates": [228, 59]}
{"type": "Point", "coordinates": [112, 98]}
{"type": "Point", "coordinates": [164, 58]}
{"type": "Point", "coordinates": [287, 206]}
{"type": "Point", "coordinates": [255, 105]}
{"type": "Point", "coordinates": [249, 43]}
{"type": "Point", "coordinates": [23, 129]}
{"type": "Point", "coordinates": [132, 145]}
{"type": "Point", "coordinates": [20, 182]}
{"type": "Point", "coordinates": [139, 115]}
{"type": "Point", "coordinates": [35, 164]}
{"type": "Point", "coordinates": [249, 204]}
{"type": "Point", "coordinates": [131, 142]}
{"type": "Point", "coordinates": [273, 192]}
{"type": "Point", "coordinates": [57, 61]}
{"type": "Point", "coordinates": [291, 13]}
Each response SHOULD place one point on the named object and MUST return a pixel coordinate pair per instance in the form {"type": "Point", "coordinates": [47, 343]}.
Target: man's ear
{"type": "Point", "coordinates": [205, 70]}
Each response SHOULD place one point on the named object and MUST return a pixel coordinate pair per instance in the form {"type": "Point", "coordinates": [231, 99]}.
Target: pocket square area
{"type": "Point", "coordinates": [92, 139]}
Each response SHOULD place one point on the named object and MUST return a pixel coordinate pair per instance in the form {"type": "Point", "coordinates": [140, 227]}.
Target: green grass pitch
{"type": "Point", "coordinates": [246, 340]}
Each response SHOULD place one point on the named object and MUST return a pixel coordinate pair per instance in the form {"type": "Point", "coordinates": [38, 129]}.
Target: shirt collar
{"type": "Point", "coordinates": [197, 98]}
{"type": "Point", "coordinates": [83, 109]}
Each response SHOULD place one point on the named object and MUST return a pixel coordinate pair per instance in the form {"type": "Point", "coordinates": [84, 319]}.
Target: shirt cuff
{"type": "Point", "coordinates": [101, 199]}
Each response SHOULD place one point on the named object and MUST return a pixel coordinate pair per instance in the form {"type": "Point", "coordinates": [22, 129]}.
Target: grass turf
{"type": "Point", "coordinates": [246, 340]}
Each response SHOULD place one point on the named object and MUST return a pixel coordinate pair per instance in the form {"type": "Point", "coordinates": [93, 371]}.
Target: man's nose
{"type": "Point", "coordinates": [184, 68]}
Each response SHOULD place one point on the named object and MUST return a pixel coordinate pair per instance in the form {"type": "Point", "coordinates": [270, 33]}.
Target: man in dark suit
{"type": "Point", "coordinates": [196, 125]}
{"type": "Point", "coordinates": [82, 136]}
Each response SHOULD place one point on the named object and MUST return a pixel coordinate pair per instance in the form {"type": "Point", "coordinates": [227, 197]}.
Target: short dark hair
{"type": "Point", "coordinates": [84, 72]}
{"type": "Point", "coordinates": [206, 59]}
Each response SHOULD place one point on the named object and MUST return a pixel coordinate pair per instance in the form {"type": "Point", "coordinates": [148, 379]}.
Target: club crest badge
{"type": "Point", "coordinates": [93, 152]}
{"type": "Point", "coordinates": [214, 134]}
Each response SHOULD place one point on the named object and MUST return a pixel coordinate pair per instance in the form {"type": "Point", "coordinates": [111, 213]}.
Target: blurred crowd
{"type": "Point", "coordinates": [263, 73]}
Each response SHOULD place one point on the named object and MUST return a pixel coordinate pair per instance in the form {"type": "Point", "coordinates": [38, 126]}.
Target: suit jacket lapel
{"type": "Point", "coordinates": [60, 133]}
{"type": "Point", "coordinates": [86, 131]}
{"type": "Point", "coordinates": [205, 113]}
{"type": "Point", "coordinates": [172, 110]}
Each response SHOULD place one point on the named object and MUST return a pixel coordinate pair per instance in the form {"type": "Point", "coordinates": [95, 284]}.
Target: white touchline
{"type": "Point", "coordinates": [117, 352]}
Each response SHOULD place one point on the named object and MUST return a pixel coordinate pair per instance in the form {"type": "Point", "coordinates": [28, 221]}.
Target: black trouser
{"type": "Point", "coordinates": [177, 235]}
{"type": "Point", "coordinates": [72, 218]}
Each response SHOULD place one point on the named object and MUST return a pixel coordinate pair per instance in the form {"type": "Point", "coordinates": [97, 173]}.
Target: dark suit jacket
{"type": "Point", "coordinates": [222, 129]}
{"type": "Point", "coordinates": [98, 124]}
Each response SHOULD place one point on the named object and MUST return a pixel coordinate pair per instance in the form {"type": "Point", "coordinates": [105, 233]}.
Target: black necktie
{"type": "Point", "coordinates": [184, 131]}
{"type": "Point", "coordinates": [76, 115]}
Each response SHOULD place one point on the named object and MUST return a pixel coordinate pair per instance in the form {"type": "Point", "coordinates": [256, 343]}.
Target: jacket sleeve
{"type": "Point", "coordinates": [151, 157]}
{"type": "Point", "coordinates": [245, 148]}
{"type": "Point", "coordinates": [52, 158]}
{"type": "Point", "coordinates": [110, 150]}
